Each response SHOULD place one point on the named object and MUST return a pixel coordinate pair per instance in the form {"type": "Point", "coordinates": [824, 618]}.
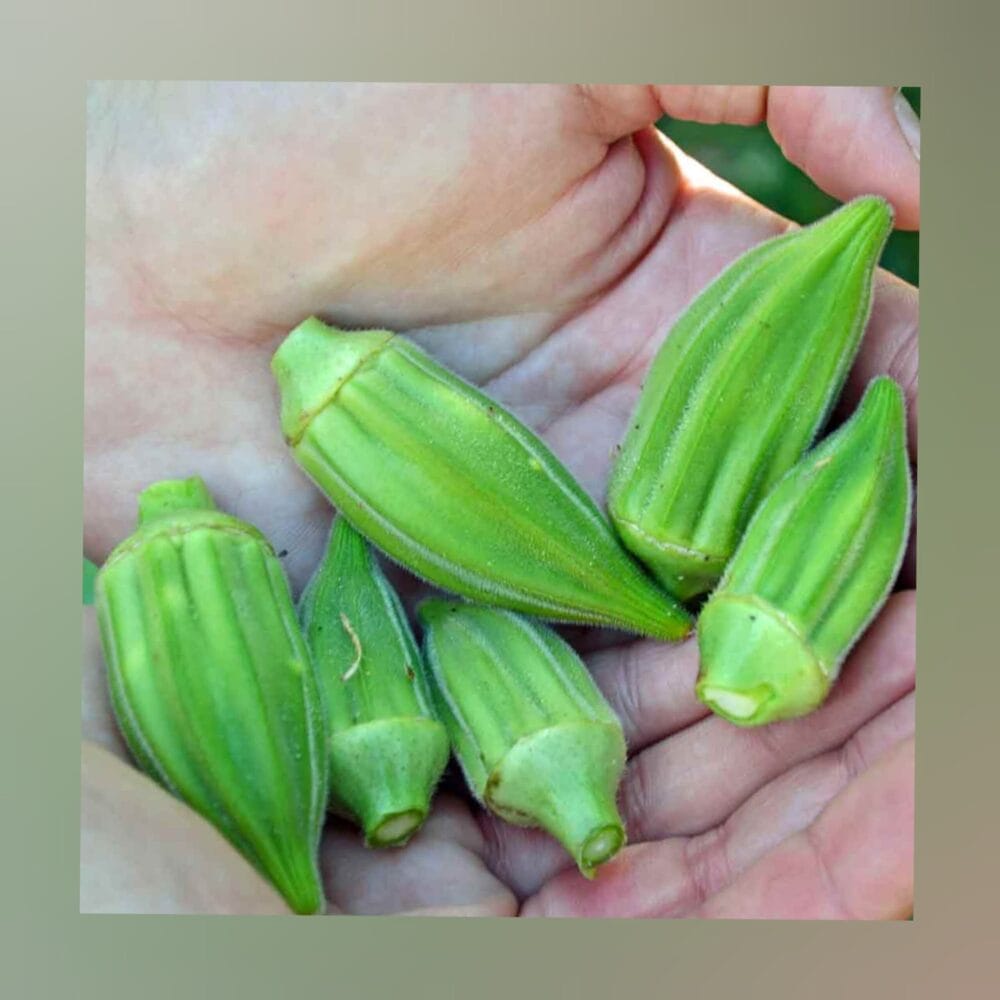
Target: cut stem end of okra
{"type": "Point", "coordinates": [755, 666]}
{"type": "Point", "coordinates": [383, 775]}
{"type": "Point", "coordinates": [603, 845]}
{"type": "Point", "coordinates": [564, 778]}
{"type": "Point", "coordinates": [396, 830]}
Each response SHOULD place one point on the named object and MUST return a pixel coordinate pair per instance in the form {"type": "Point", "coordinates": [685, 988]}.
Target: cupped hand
{"type": "Point", "coordinates": [540, 241]}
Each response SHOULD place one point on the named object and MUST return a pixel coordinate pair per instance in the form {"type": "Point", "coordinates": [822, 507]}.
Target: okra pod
{"type": "Point", "coordinates": [451, 485]}
{"type": "Point", "coordinates": [386, 748]}
{"type": "Point", "coordinates": [211, 680]}
{"type": "Point", "coordinates": [740, 387]}
{"type": "Point", "coordinates": [816, 563]}
{"type": "Point", "coordinates": [537, 742]}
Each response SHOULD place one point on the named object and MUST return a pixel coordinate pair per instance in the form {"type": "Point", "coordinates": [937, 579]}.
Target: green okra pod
{"type": "Point", "coordinates": [740, 387]}
{"type": "Point", "coordinates": [387, 750]}
{"type": "Point", "coordinates": [537, 742]}
{"type": "Point", "coordinates": [211, 681]}
{"type": "Point", "coordinates": [815, 565]}
{"type": "Point", "coordinates": [451, 485]}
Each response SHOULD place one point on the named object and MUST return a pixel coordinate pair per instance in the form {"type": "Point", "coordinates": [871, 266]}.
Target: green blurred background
{"type": "Point", "coordinates": [749, 158]}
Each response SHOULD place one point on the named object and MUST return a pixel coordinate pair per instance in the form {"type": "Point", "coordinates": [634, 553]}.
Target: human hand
{"type": "Point", "coordinates": [540, 241]}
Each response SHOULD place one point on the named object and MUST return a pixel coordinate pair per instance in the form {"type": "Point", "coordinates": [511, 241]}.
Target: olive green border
{"type": "Point", "coordinates": [49, 949]}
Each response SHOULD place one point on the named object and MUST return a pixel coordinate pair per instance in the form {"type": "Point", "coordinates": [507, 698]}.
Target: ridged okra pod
{"type": "Point", "coordinates": [386, 748]}
{"type": "Point", "coordinates": [211, 681]}
{"type": "Point", "coordinates": [815, 565]}
{"type": "Point", "coordinates": [451, 485]}
{"type": "Point", "coordinates": [740, 387]}
{"type": "Point", "coordinates": [538, 744]}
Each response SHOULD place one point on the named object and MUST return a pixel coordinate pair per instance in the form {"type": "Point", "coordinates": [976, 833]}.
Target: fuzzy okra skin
{"type": "Point", "coordinates": [816, 563]}
{"type": "Point", "coordinates": [211, 680]}
{"type": "Point", "coordinates": [739, 389]}
{"type": "Point", "coordinates": [455, 488]}
{"type": "Point", "coordinates": [536, 740]}
{"type": "Point", "coordinates": [387, 750]}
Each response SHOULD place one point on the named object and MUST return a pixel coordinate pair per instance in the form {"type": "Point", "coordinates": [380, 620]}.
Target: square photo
{"type": "Point", "coordinates": [499, 500]}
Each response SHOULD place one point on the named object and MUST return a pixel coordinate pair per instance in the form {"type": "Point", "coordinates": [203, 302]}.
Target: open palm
{"type": "Point", "coordinates": [539, 241]}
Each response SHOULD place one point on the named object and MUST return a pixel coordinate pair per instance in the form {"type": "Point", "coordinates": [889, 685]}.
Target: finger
{"type": "Point", "coordinates": [854, 862]}
{"type": "Point", "coordinates": [690, 782]}
{"type": "Point", "coordinates": [712, 105]}
{"type": "Point", "coordinates": [849, 140]}
{"type": "Point", "coordinates": [852, 141]}
{"type": "Point", "coordinates": [523, 858]}
{"type": "Point", "coordinates": [143, 851]}
{"type": "Point", "coordinates": [527, 859]}
{"type": "Point", "coordinates": [97, 721]}
{"type": "Point", "coordinates": [795, 799]}
{"type": "Point", "coordinates": [672, 877]}
{"type": "Point", "coordinates": [615, 110]}
{"type": "Point", "coordinates": [650, 686]}
{"type": "Point", "coordinates": [440, 872]}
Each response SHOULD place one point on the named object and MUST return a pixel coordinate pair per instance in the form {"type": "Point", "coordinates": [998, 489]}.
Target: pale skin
{"type": "Point", "coordinates": [540, 240]}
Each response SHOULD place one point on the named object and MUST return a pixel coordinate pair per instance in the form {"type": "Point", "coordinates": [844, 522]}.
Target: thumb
{"type": "Point", "coordinates": [851, 141]}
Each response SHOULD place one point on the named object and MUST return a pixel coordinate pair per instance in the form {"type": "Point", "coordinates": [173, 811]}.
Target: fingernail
{"type": "Point", "coordinates": [909, 123]}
